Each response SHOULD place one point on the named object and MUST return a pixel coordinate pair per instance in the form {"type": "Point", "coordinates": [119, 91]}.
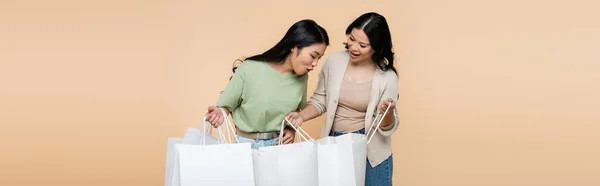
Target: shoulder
{"type": "Point", "coordinates": [336, 58]}
{"type": "Point", "coordinates": [389, 77]}
{"type": "Point", "coordinates": [340, 54]}
{"type": "Point", "coordinates": [390, 74]}
{"type": "Point", "coordinates": [249, 65]}
{"type": "Point", "coordinates": [388, 84]}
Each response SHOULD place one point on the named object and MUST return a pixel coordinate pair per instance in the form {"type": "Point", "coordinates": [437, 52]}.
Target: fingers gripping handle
{"type": "Point", "coordinates": [299, 130]}
{"type": "Point", "coordinates": [229, 129]}
{"type": "Point", "coordinates": [208, 130]}
{"type": "Point", "coordinates": [380, 116]}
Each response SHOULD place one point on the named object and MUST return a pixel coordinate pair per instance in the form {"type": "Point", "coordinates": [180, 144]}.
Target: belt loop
{"type": "Point", "coordinates": [257, 136]}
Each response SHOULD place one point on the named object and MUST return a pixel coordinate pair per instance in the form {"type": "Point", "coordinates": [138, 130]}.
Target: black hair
{"type": "Point", "coordinates": [301, 34]}
{"type": "Point", "coordinates": [377, 30]}
{"type": "Point", "coordinates": [236, 63]}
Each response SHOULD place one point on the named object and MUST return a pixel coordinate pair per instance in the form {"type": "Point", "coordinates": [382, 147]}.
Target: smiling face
{"type": "Point", "coordinates": [306, 59]}
{"type": "Point", "coordinates": [359, 46]}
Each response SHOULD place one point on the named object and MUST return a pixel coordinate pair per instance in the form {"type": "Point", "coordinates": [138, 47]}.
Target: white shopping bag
{"type": "Point", "coordinates": [287, 164]}
{"type": "Point", "coordinates": [218, 165]}
{"type": "Point", "coordinates": [171, 158]}
{"type": "Point", "coordinates": [343, 159]}
{"type": "Point", "coordinates": [192, 136]}
{"type": "Point", "coordinates": [223, 164]}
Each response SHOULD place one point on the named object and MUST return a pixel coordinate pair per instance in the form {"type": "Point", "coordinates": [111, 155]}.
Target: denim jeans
{"type": "Point", "coordinates": [257, 143]}
{"type": "Point", "coordinates": [381, 175]}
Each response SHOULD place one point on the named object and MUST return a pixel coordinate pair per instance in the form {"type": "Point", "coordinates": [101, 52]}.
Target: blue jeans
{"type": "Point", "coordinates": [381, 175]}
{"type": "Point", "coordinates": [257, 143]}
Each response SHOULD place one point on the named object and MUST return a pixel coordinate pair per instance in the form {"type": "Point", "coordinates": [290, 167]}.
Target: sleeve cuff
{"type": "Point", "coordinates": [390, 131]}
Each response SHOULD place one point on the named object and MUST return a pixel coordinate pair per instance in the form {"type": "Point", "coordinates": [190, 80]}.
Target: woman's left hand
{"type": "Point", "coordinates": [288, 136]}
{"type": "Point", "coordinates": [384, 105]}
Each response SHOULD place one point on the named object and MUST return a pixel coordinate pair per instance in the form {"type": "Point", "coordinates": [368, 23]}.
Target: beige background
{"type": "Point", "coordinates": [492, 92]}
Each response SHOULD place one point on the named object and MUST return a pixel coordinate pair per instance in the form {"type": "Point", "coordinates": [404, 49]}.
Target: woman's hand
{"type": "Point", "coordinates": [214, 116]}
{"type": "Point", "coordinates": [288, 136]}
{"type": "Point", "coordinates": [295, 118]}
{"type": "Point", "coordinates": [385, 104]}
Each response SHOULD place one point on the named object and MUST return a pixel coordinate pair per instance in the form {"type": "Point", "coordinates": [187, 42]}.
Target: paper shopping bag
{"type": "Point", "coordinates": [171, 158]}
{"type": "Point", "coordinates": [218, 165]}
{"type": "Point", "coordinates": [342, 160]}
{"type": "Point", "coordinates": [192, 136]}
{"type": "Point", "coordinates": [287, 164]}
{"type": "Point", "coordinates": [265, 166]}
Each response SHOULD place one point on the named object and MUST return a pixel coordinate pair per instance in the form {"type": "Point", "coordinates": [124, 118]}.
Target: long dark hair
{"type": "Point", "coordinates": [378, 32]}
{"type": "Point", "coordinates": [302, 34]}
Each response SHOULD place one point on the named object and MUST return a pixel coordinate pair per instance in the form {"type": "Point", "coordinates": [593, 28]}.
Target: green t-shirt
{"type": "Point", "coordinates": [260, 97]}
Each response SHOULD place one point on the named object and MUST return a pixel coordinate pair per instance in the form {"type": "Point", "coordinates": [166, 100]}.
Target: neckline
{"type": "Point", "coordinates": [283, 74]}
{"type": "Point", "coordinates": [362, 83]}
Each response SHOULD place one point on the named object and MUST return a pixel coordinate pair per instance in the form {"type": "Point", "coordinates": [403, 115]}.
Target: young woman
{"type": "Point", "coordinates": [266, 87]}
{"type": "Point", "coordinates": [354, 87]}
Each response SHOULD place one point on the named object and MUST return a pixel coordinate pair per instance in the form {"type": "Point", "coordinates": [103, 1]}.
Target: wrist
{"type": "Point", "coordinates": [302, 116]}
{"type": "Point", "coordinates": [388, 121]}
{"type": "Point", "coordinates": [305, 115]}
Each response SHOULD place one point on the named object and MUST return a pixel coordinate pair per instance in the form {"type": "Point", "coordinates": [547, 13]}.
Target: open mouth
{"type": "Point", "coordinates": [354, 55]}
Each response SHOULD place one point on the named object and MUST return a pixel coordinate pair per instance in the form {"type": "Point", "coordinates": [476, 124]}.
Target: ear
{"type": "Point", "coordinates": [294, 50]}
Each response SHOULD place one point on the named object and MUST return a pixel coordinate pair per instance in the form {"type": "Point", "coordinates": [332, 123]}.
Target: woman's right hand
{"type": "Point", "coordinates": [214, 116]}
{"type": "Point", "coordinates": [295, 118]}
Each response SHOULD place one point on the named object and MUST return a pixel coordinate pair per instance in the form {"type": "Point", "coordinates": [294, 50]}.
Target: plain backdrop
{"type": "Point", "coordinates": [492, 93]}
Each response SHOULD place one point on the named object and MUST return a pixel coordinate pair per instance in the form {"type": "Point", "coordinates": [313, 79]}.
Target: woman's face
{"type": "Point", "coordinates": [306, 59]}
{"type": "Point", "coordinates": [359, 46]}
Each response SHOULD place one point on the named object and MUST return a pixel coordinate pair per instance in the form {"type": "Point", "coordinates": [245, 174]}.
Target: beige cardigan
{"type": "Point", "coordinates": [325, 99]}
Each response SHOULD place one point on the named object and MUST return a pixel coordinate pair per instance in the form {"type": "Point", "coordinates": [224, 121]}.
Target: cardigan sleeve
{"type": "Point", "coordinates": [391, 91]}
{"type": "Point", "coordinates": [320, 93]}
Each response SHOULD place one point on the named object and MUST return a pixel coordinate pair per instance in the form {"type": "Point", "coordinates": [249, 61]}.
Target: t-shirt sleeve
{"type": "Point", "coordinates": [231, 97]}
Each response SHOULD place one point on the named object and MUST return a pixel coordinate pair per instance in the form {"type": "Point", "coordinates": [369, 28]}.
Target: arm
{"type": "Point", "coordinates": [229, 100]}
{"type": "Point", "coordinates": [309, 112]}
{"type": "Point", "coordinates": [231, 97]}
{"type": "Point", "coordinates": [390, 120]}
{"type": "Point", "coordinates": [316, 105]}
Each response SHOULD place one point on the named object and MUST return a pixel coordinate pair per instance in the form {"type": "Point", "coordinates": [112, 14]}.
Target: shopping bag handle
{"type": "Point", "coordinates": [378, 124]}
{"type": "Point", "coordinates": [298, 130]}
{"type": "Point", "coordinates": [229, 126]}
{"type": "Point", "coordinates": [204, 128]}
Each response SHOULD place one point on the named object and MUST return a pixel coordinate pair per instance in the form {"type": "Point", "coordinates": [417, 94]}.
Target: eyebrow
{"type": "Point", "coordinates": [359, 41]}
{"type": "Point", "coordinates": [318, 54]}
